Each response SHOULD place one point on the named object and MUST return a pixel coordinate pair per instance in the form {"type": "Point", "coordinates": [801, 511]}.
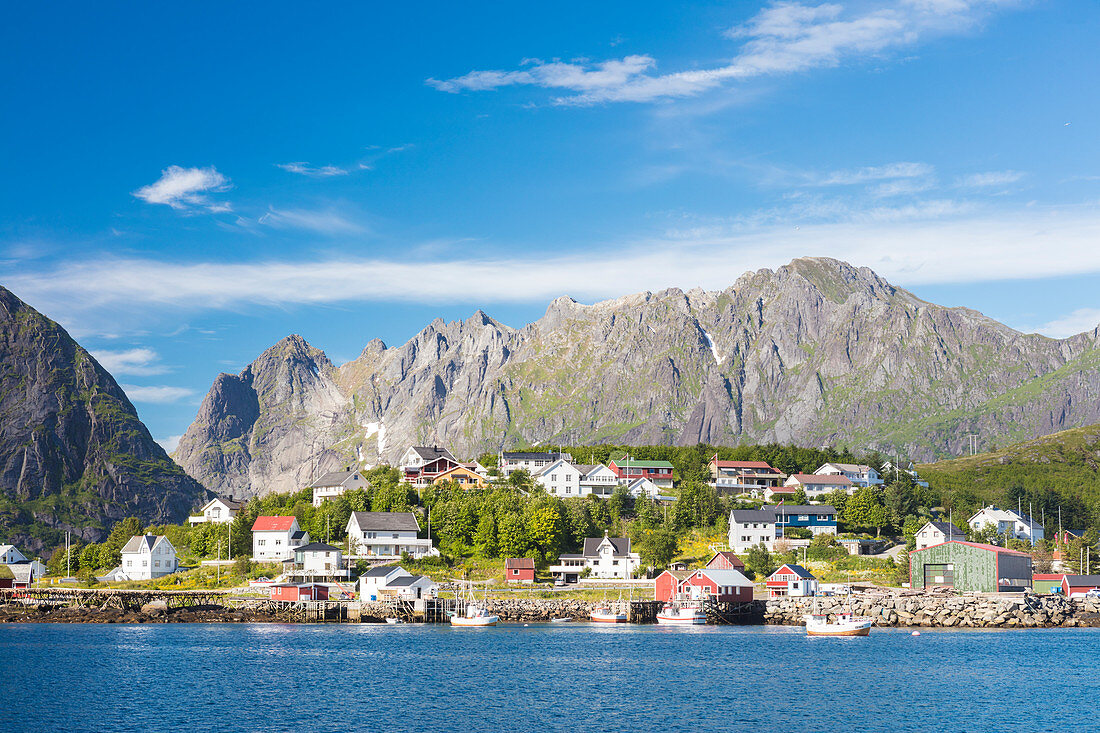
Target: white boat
{"type": "Point", "coordinates": [606, 615]}
{"type": "Point", "coordinates": [561, 620]}
{"type": "Point", "coordinates": [673, 614]}
{"type": "Point", "coordinates": [392, 620]}
{"type": "Point", "coordinates": [475, 615]}
{"type": "Point", "coordinates": [846, 623]}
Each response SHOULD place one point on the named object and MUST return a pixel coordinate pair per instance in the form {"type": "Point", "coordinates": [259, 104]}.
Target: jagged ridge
{"type": "Point", "coordinates": [816, 352]}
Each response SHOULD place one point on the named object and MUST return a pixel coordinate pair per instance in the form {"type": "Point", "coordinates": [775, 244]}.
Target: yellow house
{"type": "Point", "coordinates": [465, 477]}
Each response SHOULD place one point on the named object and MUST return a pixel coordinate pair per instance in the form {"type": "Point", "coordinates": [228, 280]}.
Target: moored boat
{"type": "Point", "coordinates": [474, 615]}
{"type": "Point", "coordinates": [607, 615]}
{"type": "Point", "coordinates": [561, 620]}
{"type": "Point", "coordinates": [817, 624]}
{"type": "Point", "coordinates": [673, 614]}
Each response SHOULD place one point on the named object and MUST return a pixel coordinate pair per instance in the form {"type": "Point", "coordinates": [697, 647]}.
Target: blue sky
{"type": "Point", "coordinates": [182, 186]}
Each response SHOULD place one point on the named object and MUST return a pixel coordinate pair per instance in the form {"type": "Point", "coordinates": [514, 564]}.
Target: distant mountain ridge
{"type": "Point", "coordinates": [73, 453]}
{"type": "Point", "coordinates": [814, 353]}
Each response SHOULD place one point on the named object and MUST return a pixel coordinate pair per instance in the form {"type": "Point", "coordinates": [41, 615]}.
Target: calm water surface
{"type": "Point", "coordinates": [264, 677]}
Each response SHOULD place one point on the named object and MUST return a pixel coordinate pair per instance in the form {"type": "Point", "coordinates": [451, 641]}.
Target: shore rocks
{"type": "Point", "coordinates": [947, 611]}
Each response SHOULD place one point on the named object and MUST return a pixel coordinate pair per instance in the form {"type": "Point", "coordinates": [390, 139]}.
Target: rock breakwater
{"type": "Point", "coordinates": [947, 611]}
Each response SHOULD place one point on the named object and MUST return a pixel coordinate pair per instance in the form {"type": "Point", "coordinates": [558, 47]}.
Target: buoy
{"type": "Point", "coordinates": [525, 626]}
{"type": "Point", "coordinates": [916, 633]}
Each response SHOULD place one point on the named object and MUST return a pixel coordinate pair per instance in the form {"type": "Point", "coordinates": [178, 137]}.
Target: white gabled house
{"type": "Point", "coordinates": [146, 557]}
{"type": "Point", "coordinates": [814, 485]}
{"type": "Point", "coordinates": [509, 462]}
{"type": "Point", "coordinates": [640, 486]}
{"type": "Point", "coordinates": [386, 535]}
{"type": "Point", "coordinates": [409, 588]}
{"type": "Point", "coordinates": [275, 538]}
{"type": "Point", "coordinates": [604, 557]}
{"type": "Point", "coordinates": [216, 511]}
{"type": "Point", "coordinates": [336, 483]}
{"type": "Point", "coordinates": [1010, 524]}
{"type": "Point", "coordinates": [9, 555]}
{"type": "Point", "coordinates": [319, 560]}
{"type": "Point", "coordinates": [374, 579]}
{"type": "Point", "coordinates": [860, 474]}
{"type": "Point", "coordinates": [561, 478]}
{"type": "Point", "coordinates": [752, 527]}
{"type": "Point", "coordinates": [598, 480]}
{"type": "Point", "coordinates": [936, 533]}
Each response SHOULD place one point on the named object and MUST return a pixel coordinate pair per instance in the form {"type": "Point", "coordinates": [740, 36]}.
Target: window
{"type": "Point", "coordinates": [129, 563]}
{"type": "Point", "coordinates": [278, 542]}
{"type": "Point", "coordinates": [396, 536]}
{"type": "Point", "coordinates": [261, 543]}
{"type": "Point", "coordinates": [803, 517]}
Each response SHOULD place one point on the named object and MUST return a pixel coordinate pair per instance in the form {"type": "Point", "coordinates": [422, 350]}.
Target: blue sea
{"type": "Point", "coordinates": [576, 677]}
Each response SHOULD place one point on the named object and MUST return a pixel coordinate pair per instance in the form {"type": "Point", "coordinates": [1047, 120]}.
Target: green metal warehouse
{"type": "Point", "coordinates": [969, 566]}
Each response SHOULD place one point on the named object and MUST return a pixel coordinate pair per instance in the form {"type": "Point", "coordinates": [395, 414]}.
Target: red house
{"type": "Point", "coordinates": [724, 586]}
{"type": "Point", "coordinates": [519, 570]}
{"type": "Point", "coordinates": [666, 586]}
{"type": "Point", "coordinates": [303, 592]}
{"type": "Point", "coordinates": [629, 469]}
{"type": "Point", "coordinates": [1079, 584]}
{"type": "Point", "coordinates": [725, 560]}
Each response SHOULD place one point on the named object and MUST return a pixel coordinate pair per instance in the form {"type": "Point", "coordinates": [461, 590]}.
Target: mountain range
{"type": "Point", "coordinates": [817, 352]}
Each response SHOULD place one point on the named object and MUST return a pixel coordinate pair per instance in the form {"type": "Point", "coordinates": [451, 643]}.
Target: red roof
{"type": "Point", "coordinates": [819, 478]}
{"type": "Point", "coordinates": [519, 563]}
{"type": "Point", "coordinates": [743, 464]}
{"type": "Point", "coordinates": [1048, 576]}
{"type": "Point", "coordinates": [980, 546]}
{"type": "Point", "coordinates": [273, 524]}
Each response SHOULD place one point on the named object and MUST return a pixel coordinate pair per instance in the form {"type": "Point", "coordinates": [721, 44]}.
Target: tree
{"type": "Point", "coordinates": [621, 503]}
{"type": "Point", "coordinates": [486, 537]}
{"type": "Point", "coordinates": [759, 561]}
{"type": "Point", "coordinates": [657, 547]}
{"type": "Point", "coordinates": [858, 511]}
{"type": "Point", "coordinates": [512, 536]}
{"type": "Point", "coordinates": [800, 498]}
{"type": "Point", "coordinates": [544, 530]}
{"type": "Point", "coordinates": [123, 532]}
{"type": "Point", "coordinates": [909, 530]}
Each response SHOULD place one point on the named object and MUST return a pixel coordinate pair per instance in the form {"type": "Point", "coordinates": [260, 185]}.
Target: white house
{"type": "Point", "coordinates": [860, 474]}
{"type": "Point", "coordinates": [791, 580]}
{"type": "Point", "coordinates": [815, 485]}
{"type": "Point", "coordinates": [216, 511]}
{"type": "Point", "coordinates": [409, 588]}
{"type": "Point", "coordinates": [377, 578]}
{"type": "Point", "coordinates": [605, 557]}
{"type": "Point", "coordinates": [533, 463]}
{"type": "Point", "coordinates": [936, 533]}
{"type": "Point", "coordinates": [335, 483]}
{"type": "Point", "coordinates": [274, 538]}
{"type": "Point", "coordinates": [386, 535]}
{"type": "Point", "coordinates": [598, 480]}
{"type": "Point", "coordinates": [1008, 523]}
{"type": "Point", "coordinates": [890, 468]}
{"type": "Point", "coordinates": [561, 478]}
{"type": "Point", "coordinates": [319, 560]}
{"type": "Point", "coordinates": [146, 557]}
{"type": "Point", "coordinates": [9, 555]}
{"type": "Point", "coordinates": [640, 486]}
{"type": "Point", "coordinates": [421, 464]}
{"type": "Point", "coordinates": [751, 527]}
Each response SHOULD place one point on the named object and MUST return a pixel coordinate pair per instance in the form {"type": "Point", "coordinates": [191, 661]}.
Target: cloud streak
{"type": "Point", "coordinates": [931, 243]}
{"type": "Point", "coordinates": [186, 189]}
{"type": "Point", "coordinates": [783, 38]}
{"type": "Point", "coordinates": [135, 362]}
{"type": "Point", "coordinates": [327, 222]}
{"type": "Point", "coordinates": [305, 169]}
{"type": "Point", "coordinates": [159, 395]}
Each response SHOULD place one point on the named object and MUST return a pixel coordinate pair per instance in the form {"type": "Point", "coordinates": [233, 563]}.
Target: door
{"type": "Point", "coordinates": [939, 574]}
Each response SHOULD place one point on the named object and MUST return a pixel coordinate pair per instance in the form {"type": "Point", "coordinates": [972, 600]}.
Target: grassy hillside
{"type": "Point", "coordinates": [1061, 469]}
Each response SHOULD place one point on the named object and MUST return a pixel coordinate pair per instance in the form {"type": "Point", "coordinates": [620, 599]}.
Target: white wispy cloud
{"type": "Point", "coordinates": [136, 362]}
{"type": "Point", "coordinates": [870, 174]}
{"type": "Point", "coordinates": [305, 169]}
{"type": "Point", "coordinates": [329, 221]}
{"type": "Point", "coordinates": [1080, 320]}
{"type": "Point", "coordinates": [186, 189]}
{"type": "Point", "coordinates": [783, 38]}
{"type": "Point", "coordinates": [158, 395]}
{"type": "Point", "coordinates": [990, 179]}
{"type": "Point", "coordinates": [170, 442]}
{"type": "Point", "coordinates": [916, 244]}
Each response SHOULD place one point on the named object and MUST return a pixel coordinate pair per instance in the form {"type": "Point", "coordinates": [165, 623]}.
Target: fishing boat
{"type": "Point", "coordinates": [675, 614]}
{"type": "Point", "coordinates": [608, 615]}
{"type": "Point", "coordinates": [846, 623]}
{"type": "Point", "coordinates": [474, 615]}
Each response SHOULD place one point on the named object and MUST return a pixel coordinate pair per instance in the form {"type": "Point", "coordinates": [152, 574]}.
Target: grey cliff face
{"type": "Point", "coordinates": [73, 453]}
{"type": "Point", "coordinates": [817, 352]}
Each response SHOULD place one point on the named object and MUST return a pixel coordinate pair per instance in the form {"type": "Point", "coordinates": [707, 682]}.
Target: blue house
{"type": "Point", "coordinates": [818, 518]}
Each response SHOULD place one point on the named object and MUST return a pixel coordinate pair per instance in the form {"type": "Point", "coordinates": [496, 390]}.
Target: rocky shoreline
{"type": "Point", "coordinates": [150, 614]}
{"type": "Point", "coordinates": [947, 610]}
